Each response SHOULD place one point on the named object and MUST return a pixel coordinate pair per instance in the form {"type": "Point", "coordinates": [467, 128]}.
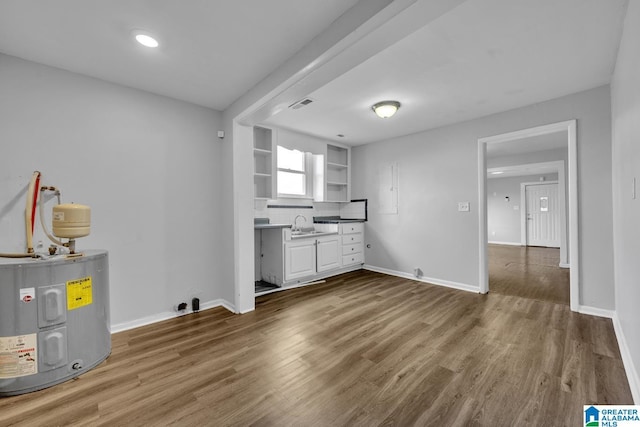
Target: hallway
{"type": "Point", "coordinates": [528, 272]}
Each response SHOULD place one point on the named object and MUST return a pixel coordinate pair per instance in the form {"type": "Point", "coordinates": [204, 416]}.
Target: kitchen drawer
{"type": "Point", "coordinates": [352, 227]}
{"type": "Point", "coordinates": [350, 239]}
{"type": "Point", "coordinates": [352, 259]}
{"type": "Point", "coordinates": [352, 249]}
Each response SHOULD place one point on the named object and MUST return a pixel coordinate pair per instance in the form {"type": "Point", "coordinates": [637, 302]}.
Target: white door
{"type": "Point", "coordinates": [299, 259]}
{"type": "Point", "coordinates": [543, 222]}
{"type": "Point", "coordinates": [328, 253]}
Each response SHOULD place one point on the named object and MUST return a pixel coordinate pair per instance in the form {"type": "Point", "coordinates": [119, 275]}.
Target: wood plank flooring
{"type": "Point", "coordinates": [528, 272]}
{"type": "Point", "coordinates": [362, 349]}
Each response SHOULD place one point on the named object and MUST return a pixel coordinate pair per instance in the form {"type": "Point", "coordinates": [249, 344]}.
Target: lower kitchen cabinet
{"type": "Point", "coordinates": [352, 243]}
{"type": "Point", "coordinates": [286, 261]}
{"type": "Point", "coordinates": [309, 256]}
{"type": "Point", "coordinates": [299, 259]}
{"type": "Point", "coordinates": [328, 253]}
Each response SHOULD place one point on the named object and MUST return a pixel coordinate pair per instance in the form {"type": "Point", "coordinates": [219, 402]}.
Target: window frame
{"type": "Point", "coordinates": [307, 173]}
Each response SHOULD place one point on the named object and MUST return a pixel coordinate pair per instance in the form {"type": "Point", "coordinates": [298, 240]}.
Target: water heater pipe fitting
{"type": "Point", "coordinates": [29, 212]}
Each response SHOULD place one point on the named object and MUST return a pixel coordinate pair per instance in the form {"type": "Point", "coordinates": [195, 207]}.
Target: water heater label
{"type": "Point", "coordinates": [58, 216]}
{"type": "Point", "coordinates": [27, 295]}
{"type": "Point", "coordinates": [18, 356]}
{"type": "Point", "coordinates": [79, 293]}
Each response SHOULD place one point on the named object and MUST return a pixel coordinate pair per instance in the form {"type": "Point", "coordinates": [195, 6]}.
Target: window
{"type": "Point", "coordinates": [292, 173]}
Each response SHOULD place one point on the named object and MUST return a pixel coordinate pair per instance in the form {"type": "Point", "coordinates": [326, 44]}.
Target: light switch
{"type": "Point", "coordinates": [463, 206]}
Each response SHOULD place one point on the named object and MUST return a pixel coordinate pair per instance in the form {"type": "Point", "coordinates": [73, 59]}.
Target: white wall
{"type": "Point", "coordinates": [534, 157]}
{"type": "Point", "coordinates": [503, 219]}
{"type": "Point", "coordinates": [625, 92]}
{"type": "Point", "coordinates": [148, 166]}
{"type": "Point", "coordinates": [438, 168]}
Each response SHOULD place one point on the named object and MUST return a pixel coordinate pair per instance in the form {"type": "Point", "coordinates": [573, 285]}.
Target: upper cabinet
{"type": "Point", "coordinates": [332, 177]}
{"type": "Point", "coordinates": [264, 163]}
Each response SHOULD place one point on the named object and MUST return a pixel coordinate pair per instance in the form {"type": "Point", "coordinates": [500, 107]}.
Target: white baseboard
{"type": "Point", "coordinates": [629, 367]}
{"type": "Point", "coordinates": [125, 326]}
{"type": "Point", "coordinates": [594, 311]}
{"type": "Point", "coordinates": [505, 243]}
{"type": "Point", "coordinates": [439, 282]}
{"type": "Point", "coordinates": [564, 265]}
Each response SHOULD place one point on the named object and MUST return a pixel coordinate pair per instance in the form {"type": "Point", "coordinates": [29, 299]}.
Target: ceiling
{"type": "Point", "coordinates": [522, 170]}
{"type": "Point", "coordinates": [211, 52]}
{"type": "Point", "coordinates": [549, 143]}
{"type": "Point", "coordinates": [482, 57]}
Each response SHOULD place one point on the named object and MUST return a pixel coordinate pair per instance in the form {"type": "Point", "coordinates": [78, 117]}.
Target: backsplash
{"type": "Point", "coordinates": [287, 215]}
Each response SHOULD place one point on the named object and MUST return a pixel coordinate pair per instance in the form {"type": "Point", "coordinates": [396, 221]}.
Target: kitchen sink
{"type": "Point", "coordinates": [305, 232]}
{"type": "Point", "coordinates": [309, 232]}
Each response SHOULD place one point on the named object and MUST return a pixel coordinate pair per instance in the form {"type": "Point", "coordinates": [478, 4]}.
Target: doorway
{"type": "Point", "coordinates": [542, 216]}
{"type": "Point", "coordinates": [568, 130]}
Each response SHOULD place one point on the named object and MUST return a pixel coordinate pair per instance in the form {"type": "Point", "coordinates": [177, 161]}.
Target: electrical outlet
{"type": "Point", "coordinates": [463, 206]}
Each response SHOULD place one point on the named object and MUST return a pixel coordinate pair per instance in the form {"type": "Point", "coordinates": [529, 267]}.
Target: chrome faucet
{"type": "Point", "coordinates": [295, 222]}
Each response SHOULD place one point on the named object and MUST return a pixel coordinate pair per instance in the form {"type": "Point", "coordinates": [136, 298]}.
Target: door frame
{"type": "Point", "coordinates": [523, 212]}
{"type": "Point", "coordinates": [570, 127]}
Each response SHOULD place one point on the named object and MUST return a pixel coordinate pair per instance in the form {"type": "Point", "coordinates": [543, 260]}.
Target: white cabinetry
{"type": "Point", "coordinates": [299, 259]}
{"type": "Point", "coordinates": [352, 243]}
{"type": "Point", "coordinates": [264, 163]}
{"type": "Point", "coordinates": [328, 253]}
{"type": "Point", "coordinates": [308, 256]}
{"type": "Point", "coordinates": [288, 261]}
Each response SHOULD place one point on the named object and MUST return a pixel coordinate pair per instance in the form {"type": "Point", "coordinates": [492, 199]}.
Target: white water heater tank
{"type": "Point", "coordinates": [71, 221]}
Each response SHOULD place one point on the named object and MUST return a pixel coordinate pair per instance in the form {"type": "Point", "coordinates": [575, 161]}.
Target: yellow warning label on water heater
{"type": "Point", "coordinates": [79, 293]}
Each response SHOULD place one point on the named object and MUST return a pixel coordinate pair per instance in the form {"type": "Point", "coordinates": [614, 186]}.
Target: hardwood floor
{"type": "Point", "coordinates": [528, 272]}
{"type": "Point", "coordinates": [361, 349]}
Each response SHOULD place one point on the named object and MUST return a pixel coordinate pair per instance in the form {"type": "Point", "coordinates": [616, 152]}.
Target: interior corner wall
{"type": "Point", "coordinates": [438, 169]}
{"type": "Point", "coordinates": [625, 94]}
{"type": "Point", "coordinates": [227, 202]}
{"type": "Point", "coordinates": [148, 166]}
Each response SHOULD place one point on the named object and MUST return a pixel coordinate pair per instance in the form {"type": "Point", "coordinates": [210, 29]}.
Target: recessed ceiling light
{"type": "Point", "coordinates": [146, 40]}
{"type": "Point", "coordinates": [497, 173]}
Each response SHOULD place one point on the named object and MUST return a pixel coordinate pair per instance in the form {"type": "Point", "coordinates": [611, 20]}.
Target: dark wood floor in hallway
{"type": "Point", "coordinates": [362, 349]}
{"type": "Point", "coordinates": [528, 272]}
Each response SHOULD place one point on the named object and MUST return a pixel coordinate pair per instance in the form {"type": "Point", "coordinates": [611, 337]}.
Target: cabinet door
{"type": "Point", "coordinates": [329, 255]}
{"type": "Point", "coordinates": [299, 259]}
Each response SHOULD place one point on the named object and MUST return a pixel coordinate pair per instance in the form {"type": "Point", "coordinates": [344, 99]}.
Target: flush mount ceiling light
{"type": "Point", "coordinates": [145, 39]}
{"type": "Point", "coordinates": [386, 109]}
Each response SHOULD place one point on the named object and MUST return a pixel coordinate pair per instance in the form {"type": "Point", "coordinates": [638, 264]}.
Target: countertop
{"type": "Point", "coordinates": [268, 226]}
{"type": "Point", "coordinates": [334, 220]}
{"type": "Point", "coordinates": [263, 224]}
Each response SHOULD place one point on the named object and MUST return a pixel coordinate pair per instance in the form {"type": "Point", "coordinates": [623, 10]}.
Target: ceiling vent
{"type": "Point", "coordinates": [302, 103]}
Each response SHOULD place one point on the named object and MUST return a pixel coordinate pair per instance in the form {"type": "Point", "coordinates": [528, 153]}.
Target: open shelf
{"type": "Point", "coordinates": [263, 163]}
